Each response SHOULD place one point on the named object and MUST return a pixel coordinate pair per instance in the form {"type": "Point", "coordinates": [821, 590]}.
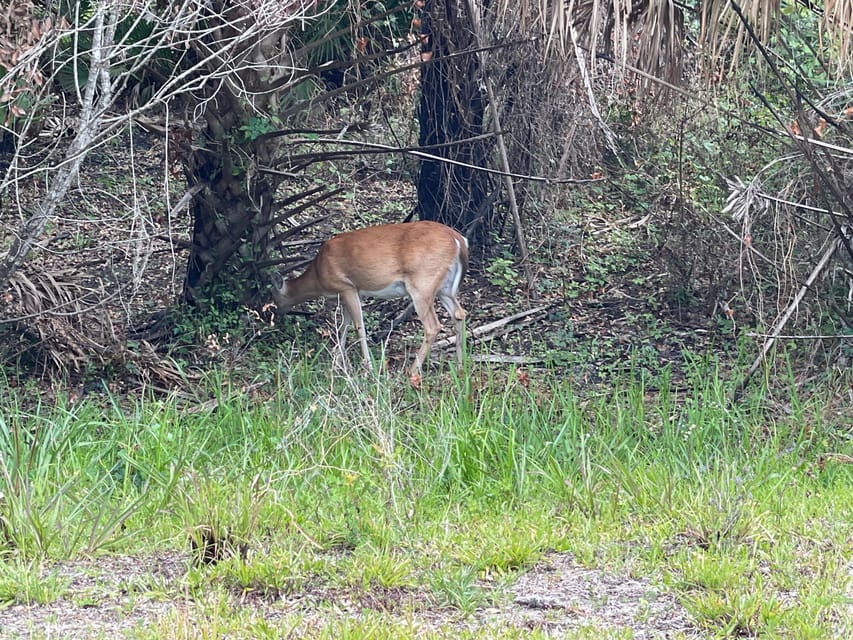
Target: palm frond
{"type": "Point", "coordinates": [838, 25]}
{"type": "Point", "coordinates": [724, 35]}
{"type": "Point", "coordinates": [48, 312]}
{"type": "Point", "coordinates": [650, 34]}
{"type": "Point", "coordinates": [647, 34]}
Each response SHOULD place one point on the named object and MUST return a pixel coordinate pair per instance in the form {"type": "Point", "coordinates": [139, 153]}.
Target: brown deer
{"type": "Point", "coordinates": [419, 259]}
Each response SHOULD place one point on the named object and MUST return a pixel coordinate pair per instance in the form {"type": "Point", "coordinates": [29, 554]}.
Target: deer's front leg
{"type": "Point", "coordinates": [352, 305]}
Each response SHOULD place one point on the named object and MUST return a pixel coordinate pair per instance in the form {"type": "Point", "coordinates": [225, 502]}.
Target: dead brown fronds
{"type": "Point", "coordinates": [47, 311]}
{"type": "Point", "coordinates": [649, 35]}
{"type": "Point", "coordinates": [55, 323]}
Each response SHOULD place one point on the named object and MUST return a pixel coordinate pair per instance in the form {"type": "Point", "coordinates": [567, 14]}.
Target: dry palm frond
{"type": "Point", "coordinates": [647, 34]}
{"type": "Point", "coordinates": [838, 25]}
{"type": "Point", "coordinates": [725, 35]}
{"type": "Point", "coordinates": [154, 370]}
{"type": "Point", "coordinates": [62, 327]}
{"type": "Point", "coordinates": [659, 50]}
{"type": "Point", "coordinates": [51, 311]}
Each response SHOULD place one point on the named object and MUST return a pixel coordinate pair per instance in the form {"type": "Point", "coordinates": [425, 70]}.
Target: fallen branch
{"type": "Point", "coordinates": [491, 329]}
{"type": "Point", "coordinates": [506, 359]}
{"type": "Point", "coordinates": [776, 331]}
{"type": "Point", "coordinates": [840, 458]}
{"type": "Point", "coordinates": [818, 336]}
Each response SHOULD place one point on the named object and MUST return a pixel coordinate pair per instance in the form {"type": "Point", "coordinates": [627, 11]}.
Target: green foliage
{"type": "Point", "coordinates": [370, 567]}
{"type": "Point", "coordinates": [18, 102]}
{"type": "Point", "coordinates": [457, 587]}
{"type": "Point", "coordinates": [805, 58]}
{"type": "Point", "coordinates": [72, 59]}
{"type": "Point", "coordinates": [732, 615]}
{"type": "Point", "coordinates": [215, 322]}
{"type": "Point", "coordinates": [361, 489]}
{"type": "Point", "coordinates": [68, 486]}
{"type": "Point", "coordinates": [30, 583]}
{"type": "Point", "coordinates": [220, 520]}
{"type": "Point", "coordinates": [258, 126]}
{"type": "Point", "coordinates": [329, 37]}
{"type": "Point", "coordinates": [679, 157]}
{"type": "Point", "coordinates": [503, 273]}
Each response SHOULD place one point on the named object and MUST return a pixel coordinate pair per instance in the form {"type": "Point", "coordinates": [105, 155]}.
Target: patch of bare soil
{"type": "Point", "coordinates": [113, 595]}
{"type": "Point", "coordinates": [102, 598]}
{"type": "Point", "coordinates": [558, 595]}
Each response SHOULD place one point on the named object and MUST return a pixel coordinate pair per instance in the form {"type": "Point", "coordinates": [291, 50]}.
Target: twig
{"type": "Point", "coordinates": [776, 331]}
{"type": "Point", "coordinates": [506, 359]}
{"type": "Point", "coordinates": [841, 458]}
{"type": "Point", "coordinates": [431, 156]}
{"type": "Point", "coordinates": [474, 15]}
{"type": "Point", "coordinates": [752, 334]}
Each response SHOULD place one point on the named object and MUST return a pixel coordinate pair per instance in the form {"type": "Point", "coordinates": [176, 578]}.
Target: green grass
{"type": "Point", "coordinates": [366, 495]}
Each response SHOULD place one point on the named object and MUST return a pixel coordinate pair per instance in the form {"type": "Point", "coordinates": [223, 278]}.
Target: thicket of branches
{"type": "Point", "coordinates": [247, 96]}
{"type": "Point", "coordinates": [92, 74]}
{"type": "Point", "coordinates": [777, 256]}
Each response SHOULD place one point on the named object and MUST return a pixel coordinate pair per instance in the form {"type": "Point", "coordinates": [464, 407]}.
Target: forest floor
{"type": "Point", "coordinates": [601, 302]}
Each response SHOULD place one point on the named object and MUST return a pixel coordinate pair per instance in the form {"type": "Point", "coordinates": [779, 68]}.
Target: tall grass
{"type": "Point", "coordinates": [476, 473]}
{"type": "Point", "coordinates": [74, 477]}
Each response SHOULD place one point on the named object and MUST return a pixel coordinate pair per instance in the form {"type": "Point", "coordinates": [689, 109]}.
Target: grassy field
{"type": "Point", "coordinates": [487, 505]}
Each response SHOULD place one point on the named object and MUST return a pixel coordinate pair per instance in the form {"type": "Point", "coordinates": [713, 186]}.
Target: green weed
{"type": "Point", "coordinates": [360, 489]}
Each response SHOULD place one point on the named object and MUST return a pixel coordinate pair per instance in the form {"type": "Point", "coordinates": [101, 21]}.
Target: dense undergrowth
{"type": "Point", "coordinates": [328, 481]}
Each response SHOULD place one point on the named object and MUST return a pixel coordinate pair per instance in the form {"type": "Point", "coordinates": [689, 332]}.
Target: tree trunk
{"type": "Point", "coordinates": [232, 215]}
{"type": "Point", "coordinates": [451, 110]}
{"type": "Point", "coordinates": [97, 98]}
